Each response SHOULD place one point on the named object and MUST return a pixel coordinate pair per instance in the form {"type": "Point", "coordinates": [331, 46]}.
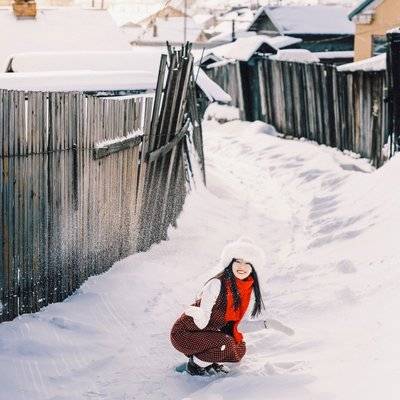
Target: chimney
{"type": "Point", "coordinates": [24, 8]}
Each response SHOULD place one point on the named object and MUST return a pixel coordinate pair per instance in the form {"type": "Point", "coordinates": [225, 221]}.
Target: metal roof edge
{"type": "Point", "coordinates": [359, 8]}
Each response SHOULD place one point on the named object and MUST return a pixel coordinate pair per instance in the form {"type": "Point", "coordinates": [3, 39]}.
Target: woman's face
{"type": "Point", "coordinates": [241, 268]}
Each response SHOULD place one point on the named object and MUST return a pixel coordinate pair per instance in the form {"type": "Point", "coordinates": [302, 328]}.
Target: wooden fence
{"type": "Point", "coordinates": [346, 110]}
{"type": "Point", "coordinates": [83, 180]}
{"type": "Point", "coordinates": [393, 76]}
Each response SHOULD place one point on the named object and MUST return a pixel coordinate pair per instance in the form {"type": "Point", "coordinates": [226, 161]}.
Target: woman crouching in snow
{"type": "Point", "coordinates": [207, 332]}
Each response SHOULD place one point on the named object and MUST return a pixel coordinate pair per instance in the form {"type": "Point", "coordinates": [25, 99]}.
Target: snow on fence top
{"type": "Point", "coordinates": [59, 29]}
{"type": "Point", "coordinates": [377, 63]}
{"type": "Point", "coordinates": [244, 48]}
{"type": "Point", "coordinates": [295, 55]}
{"type": "Point", "coordinates": [334, 54]}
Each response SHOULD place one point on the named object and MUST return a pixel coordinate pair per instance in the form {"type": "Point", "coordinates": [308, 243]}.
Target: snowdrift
{"type": "Point", "coordinates": [329, 224]}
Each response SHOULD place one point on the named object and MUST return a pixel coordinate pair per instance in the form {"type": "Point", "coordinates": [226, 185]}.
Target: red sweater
{"type": "Point", "coordinates": [244, 287]}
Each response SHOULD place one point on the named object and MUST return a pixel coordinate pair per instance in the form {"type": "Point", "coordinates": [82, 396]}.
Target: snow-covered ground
{"type": "Point", "coordinates": [329, 224]}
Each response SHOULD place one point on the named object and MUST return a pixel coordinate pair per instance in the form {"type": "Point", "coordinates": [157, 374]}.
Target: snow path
{"type": "Point", "coordinates": [320, 216]}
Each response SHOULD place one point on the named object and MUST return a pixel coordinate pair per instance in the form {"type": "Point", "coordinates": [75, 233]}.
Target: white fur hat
{"type": "Point", "coordinates": [243, 248]}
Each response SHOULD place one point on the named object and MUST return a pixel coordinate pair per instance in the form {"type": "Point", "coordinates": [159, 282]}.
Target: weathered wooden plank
{"type": "Point", "coordinates": [102, 150]}
{"type": "Point", "coordinates": [170, 145]}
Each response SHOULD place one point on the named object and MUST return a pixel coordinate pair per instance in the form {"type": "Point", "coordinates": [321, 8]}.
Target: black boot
{"type": "Point", "coordinates": [216, 368]}
{"type": "Point", "coordinates": [193, 369]}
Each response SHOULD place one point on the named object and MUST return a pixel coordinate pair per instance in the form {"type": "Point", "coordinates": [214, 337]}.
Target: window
{"type": "Point", "coordinates": [379, 44]}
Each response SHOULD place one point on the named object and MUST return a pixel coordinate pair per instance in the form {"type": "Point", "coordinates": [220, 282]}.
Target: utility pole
{"type": "Point", "coordinates": [233, 31]}
{"type": "Point", "coordinates": [185, 23]}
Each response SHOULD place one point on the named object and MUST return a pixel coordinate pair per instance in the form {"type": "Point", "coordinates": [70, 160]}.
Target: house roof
{"type": "Point", "coordinates": [362, 6]}
{"type": "Point", "coordinates": [320, 19]}
{"type": "Point", "coordinates": [59, 29]}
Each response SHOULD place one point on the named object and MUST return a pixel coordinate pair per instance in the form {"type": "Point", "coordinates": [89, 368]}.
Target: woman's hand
{"type": "Point", "coordinates": [278, 326]}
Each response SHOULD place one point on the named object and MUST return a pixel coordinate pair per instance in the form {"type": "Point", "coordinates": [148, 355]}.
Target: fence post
{"type": "Point", "coordinates": [393, 82]}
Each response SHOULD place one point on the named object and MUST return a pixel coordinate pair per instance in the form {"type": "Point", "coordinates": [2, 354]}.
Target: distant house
{"type": "Point", "coordinates": [59, 29]}
{"type": "Point", "coordinates": [373, 18]}
{"type": "Point", "coordinates": [322, 27]}
{"type": "Point", "coordinates": [167, 24]}
{"type": "Point", "coordinates": [230, 24]}
{"type": "Point", "coordinates": [205, 21]}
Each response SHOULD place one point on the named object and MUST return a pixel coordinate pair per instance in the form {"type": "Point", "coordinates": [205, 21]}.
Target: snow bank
{"type": "Point", "coordinates": [329, 225]}
{"type": "Point", "coordinates": [377, 63]}
{"type": "Point", "coordinates": [221, 113]}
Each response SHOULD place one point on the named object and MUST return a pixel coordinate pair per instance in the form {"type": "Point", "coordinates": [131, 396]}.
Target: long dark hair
{"type": "Point", "coordinates": [226, 276]}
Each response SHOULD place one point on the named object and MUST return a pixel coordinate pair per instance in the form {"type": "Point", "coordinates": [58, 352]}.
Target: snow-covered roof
{"type": "Point", "coordinates": [244, 48]}
{"type": "Point", "coordinates": [134, 11]}
{"type": "Point", "coordinates": [171, 29]}
{"type": "Point", "coordinates": [377, 63]}
{"type": "Point", "coordinates": [319, 19]}
{"type": "Point", "coordinates": [242, 20]}
{"type": "Point", "coordinates": [202, 19]}
{"type": "Point", "coordinates": [243, 14]}
{"type": "Point", "coordinates": [295, 55]}
{"type": "Point", "coordinates": [211, 89]}
{"type": "Point", "coordinates": [208, 58]}
{"type": "Point", "coordinates": [81, 81]}
{"type": "Point", "coordinates": [136, 58]}
{"type": "Point", "coordinates": [227, 36]}
{"type": "Point", "coordinates": [59, 29]}
{"type": "Point", "coordinates": [122, 63]}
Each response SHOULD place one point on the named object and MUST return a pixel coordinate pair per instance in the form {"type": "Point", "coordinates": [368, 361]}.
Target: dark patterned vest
{"type": "Point", "coordinates": [217, 318]}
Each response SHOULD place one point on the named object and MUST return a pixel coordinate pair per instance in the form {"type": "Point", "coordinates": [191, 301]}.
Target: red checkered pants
{"type": "Point", "coordinates": [207, 345]}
